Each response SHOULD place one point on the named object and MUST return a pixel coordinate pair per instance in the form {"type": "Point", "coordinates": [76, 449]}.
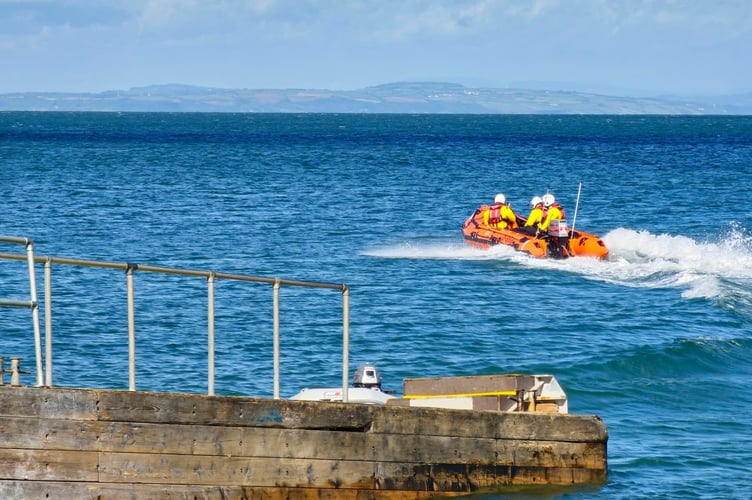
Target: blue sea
{"type": "Point", "coordinates": [656, 340]}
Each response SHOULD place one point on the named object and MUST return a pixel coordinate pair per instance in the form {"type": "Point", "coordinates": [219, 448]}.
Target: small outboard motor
{"type": "Point", "coordinates": [558, 227]}
{"type": "Point", "coordinates": [558, 243]}
{"type": "Point", "coordinates": [367, 376]}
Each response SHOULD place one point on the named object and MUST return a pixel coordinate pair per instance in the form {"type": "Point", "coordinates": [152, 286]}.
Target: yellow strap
{"type": "Point", "coordinates": [466, 395]}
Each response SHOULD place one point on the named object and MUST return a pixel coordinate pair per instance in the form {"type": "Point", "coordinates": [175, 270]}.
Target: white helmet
{"type": "Point", "coordinates": [500, 198]}
{"type": "Point", "coordinates": [535, 201]}
{"type": "Point", "coordinates": [548, 200]}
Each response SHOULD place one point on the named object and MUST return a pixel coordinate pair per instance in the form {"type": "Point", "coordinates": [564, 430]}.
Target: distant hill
{"type": "Point", "coordinates": [401, 97]}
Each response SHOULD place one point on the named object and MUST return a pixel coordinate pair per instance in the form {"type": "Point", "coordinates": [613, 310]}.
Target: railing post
{"type": "Point", "coordinates": [275, 327]}
{"type": "Point", "coordinates": [210, 320]}
{"type": "Point", "coordinates": [48, 321]}
{"type": "Point", "coordinates": [15, 372]}
{"type": "Point", "coordinates": [131, 326]}
{"type": "Point", "coordinates": [345, 341]}
{"type": "Point", "coordinates": [35, 311]}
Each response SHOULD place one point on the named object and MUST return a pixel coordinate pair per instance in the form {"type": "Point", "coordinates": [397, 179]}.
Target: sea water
{"type": "Point", "coordinates": [656, 339]}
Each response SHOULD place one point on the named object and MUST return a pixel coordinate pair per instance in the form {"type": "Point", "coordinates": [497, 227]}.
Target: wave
{"type": "Point", "coordinates": [706, 356]}
{"type": "Point", "coordinates": [718, 270]}
{"type": "Point", "coordinates": [710, 369]}
{"type": "Point", "coordinates": [451, 250]}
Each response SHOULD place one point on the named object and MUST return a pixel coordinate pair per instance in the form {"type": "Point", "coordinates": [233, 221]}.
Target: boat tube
{"type": "Point", "coordinates": [560, 242]}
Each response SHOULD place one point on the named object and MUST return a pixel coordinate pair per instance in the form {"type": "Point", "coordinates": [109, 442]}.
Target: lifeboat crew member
{"type": "Point", "coordinates": [535, 217]}
{"type": "Point", "coordinates": [558, 246]}
{"type": "Point", "coordinates": [500, 214]}
{"type": "Point", "coordinates": [552, 211]}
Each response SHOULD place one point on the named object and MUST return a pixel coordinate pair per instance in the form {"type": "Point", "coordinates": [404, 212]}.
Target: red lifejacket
{"type": "Point", "coordinates": [494, 214]}
{"type": "Point", "coordinates": [561, 209]}
{"type": "Point", "coordinates": [555, 204]}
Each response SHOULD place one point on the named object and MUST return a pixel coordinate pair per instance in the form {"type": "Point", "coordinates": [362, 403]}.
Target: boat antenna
{"type": "Point", "coordinates": [576, 207]}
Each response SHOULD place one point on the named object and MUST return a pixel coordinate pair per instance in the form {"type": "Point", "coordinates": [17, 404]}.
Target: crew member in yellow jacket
{"type": "Point", "coordinates": [535, 217]}
{"type": "Point", "coordinates": [558, 243]}
{"type": "Point", "coordinates": [552, 210]}
{"type": "Point", "coordinates": [500, 214]}
{"type": "Point", "coordinates": [536, 212]}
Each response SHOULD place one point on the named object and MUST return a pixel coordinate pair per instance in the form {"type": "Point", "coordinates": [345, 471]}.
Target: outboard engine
{"type": "Point", "coordinates": [558, 243]}
{"type": "Point", "coordinates": [558, 227]}
{"type": "Point", "coordinates": [367, 376]}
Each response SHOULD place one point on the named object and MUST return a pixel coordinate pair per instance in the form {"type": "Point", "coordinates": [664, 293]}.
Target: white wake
{"type": "Point", "coordinates": [701, 269]}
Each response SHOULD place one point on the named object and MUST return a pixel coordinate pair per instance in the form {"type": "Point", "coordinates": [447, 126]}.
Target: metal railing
{"type": "Point", "coordinates": [44, 376]}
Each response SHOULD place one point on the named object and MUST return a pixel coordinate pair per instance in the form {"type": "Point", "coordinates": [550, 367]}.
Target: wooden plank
{"type": "Point", "coordinates": [366, 446]}
{"type": "Point", "coordinates": [179, 439]}
{"type": "Point", "coordinates": [53, 465]}
{"type": "Point", "coordinates": [465, 477]}
{"type": "Point", "coordinates": [34, 433]}
{"type": "Point", "coordinates": [422, 449]}
{"type": "Point", "coordinates": [552, 427]}
{"type": "Point", "coordinates": [556, 476]}
{"type": "Point", "coordinates": [329, 494]}
{"type": "Point", "coordinates": [223, 410]}
{"type": "Point", "coordinates": [208, 470]}
{"type": "Point", "coordinates": [473, 478]}
{"type": "Point", "coordinates": [513, 425]}
{"type": "Point", "coordinates": [435, 422]}
{"type": "Point", "coordinates": [553, 454]}
{"type": "Point", "coordinates": [123, 491]}
{"type": "Point", "coordinates": [41, 402]}
{"type": "Point", "coordinates": [457, 478]}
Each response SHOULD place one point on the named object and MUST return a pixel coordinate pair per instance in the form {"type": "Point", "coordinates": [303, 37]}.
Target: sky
{"type": "Point", "coordinates": [614, 47]}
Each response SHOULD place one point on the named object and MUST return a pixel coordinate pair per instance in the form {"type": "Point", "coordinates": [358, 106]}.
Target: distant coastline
{"type": "Point", "coordinates": [400, 97]}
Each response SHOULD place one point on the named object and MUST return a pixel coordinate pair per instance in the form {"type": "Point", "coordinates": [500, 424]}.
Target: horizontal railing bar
{"type": "Point", "coordinates": [15, 239]}
{"type": "Point", "coordinates": [27, 304]}
{"type": "Point", "coordinates": [62, 260]}
{"type": "Point", "coordinates": [167, 270]}
{"type": "Point", "coordinates": [85, 263]}
{"type": "Point", "coordinates": [281, 281]}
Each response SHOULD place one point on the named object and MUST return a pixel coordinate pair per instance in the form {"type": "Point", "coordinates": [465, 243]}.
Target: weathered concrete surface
{"type": "Point", "coordinates": [89, 443]}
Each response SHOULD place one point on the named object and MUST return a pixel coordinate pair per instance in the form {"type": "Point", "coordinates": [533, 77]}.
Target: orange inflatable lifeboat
{"type": "Point", "coordinates": [560, 242]}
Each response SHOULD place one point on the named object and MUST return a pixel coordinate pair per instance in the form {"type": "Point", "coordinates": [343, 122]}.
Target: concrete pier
{"type": "Point", "coordinates": [90, 443]}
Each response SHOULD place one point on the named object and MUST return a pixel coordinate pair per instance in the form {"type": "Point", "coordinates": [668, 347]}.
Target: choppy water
{"type": "Point", "coordinates": [656, 340]}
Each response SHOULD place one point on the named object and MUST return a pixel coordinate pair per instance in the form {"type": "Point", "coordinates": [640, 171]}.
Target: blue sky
{"type": "Point", "coordinates": [619, 47]}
